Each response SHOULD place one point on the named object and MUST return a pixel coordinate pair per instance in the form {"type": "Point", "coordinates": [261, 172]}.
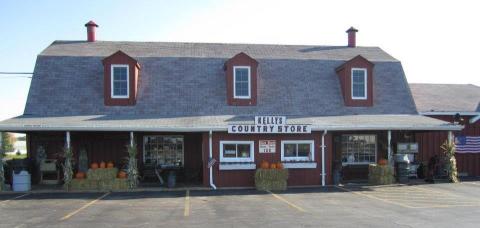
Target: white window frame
{"type": "Point", "coordinates": [252, 151]}
{"type": "Point", "coordinates": [365, 84]}
{"type": "Point", "coordinates": [112, 84]}
{"type": "Point", "coordinates": [361, 163]}
{"type": "Point", "coordinates": [312, 150]}
{"type": "Point", "coordinates": [249, 82]}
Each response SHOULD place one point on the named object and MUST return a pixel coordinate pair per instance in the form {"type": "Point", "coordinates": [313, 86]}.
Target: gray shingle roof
{"type": "Point", "coordinates": [187, 79]}
{"type": "Point", "coordinates": [446, 97]}
{"type": "Point", "coordinates": [213, 50]}
{"type": "Point", "coordinates": [183, 85]}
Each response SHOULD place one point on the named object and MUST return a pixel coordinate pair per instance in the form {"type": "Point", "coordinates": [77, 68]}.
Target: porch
{"type": "Point", "coordinates": [159, 155]}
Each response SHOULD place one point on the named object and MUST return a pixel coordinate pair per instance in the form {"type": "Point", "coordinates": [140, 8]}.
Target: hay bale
{"type": "Point", "coordinates": [102, 174]}
{"type": "Point", "coordinates": [380, 174]}
{"type": "Point", "coordinates": [271, 179]}
{"type": "Point", "coordinates": [83, 184]}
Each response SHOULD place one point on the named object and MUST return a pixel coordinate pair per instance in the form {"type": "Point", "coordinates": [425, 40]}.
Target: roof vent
{"type": "Point", "coordinates": [91, 31]}
{"type": "Point", "coordinates": [351, 37]}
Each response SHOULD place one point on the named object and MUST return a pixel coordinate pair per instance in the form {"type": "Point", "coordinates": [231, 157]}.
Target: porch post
{"type": "Point", "coordinates": [67, 139]}
{"type": "Point", "coordinates": [132, 139]}
{"type": "Point", "coordinates": [1, 142]}
{"type": "Point", "coordinates": [389, 154]}
{"type": "Point", "coordinates": [450, 136]}
{"type": "Point", "coordinates": [323, 157]}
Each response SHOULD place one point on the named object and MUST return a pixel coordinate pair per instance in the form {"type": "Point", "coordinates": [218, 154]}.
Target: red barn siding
{"type": "Point", "coordinates": [245, 178]}
{"type": "Point", "coordinates": [430, 143]}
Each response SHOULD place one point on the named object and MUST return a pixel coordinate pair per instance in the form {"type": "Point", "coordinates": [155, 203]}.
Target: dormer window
{"type": "Point", "coordinates": [121, 74]}
{"type": "Point", "coordinates": [359, 83]}
{"type": "Point", "coordinates": [241, 79]}
{"type": "Point", "coordinates": [242, 82]}
{"type": "Point", "coordinates": [119, 78]}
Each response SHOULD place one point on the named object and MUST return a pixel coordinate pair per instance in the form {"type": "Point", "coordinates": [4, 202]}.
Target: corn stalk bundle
{"type": "Point", "coordinates": [132, 170]}
{"type": "Point", "coordinates": [271, 179]}
{"type": "Point", "coordinates": [449, 151]}
{"type": "Point", "coordinates": [67, 167]}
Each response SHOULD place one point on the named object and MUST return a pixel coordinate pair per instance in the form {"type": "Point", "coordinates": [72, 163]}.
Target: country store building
{"type": "Point", "coordinates": [215, 111]}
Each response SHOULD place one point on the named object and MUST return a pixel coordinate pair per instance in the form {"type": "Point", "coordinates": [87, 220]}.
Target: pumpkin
{"type": "Point", "coordinates": [279, 165]}
{"type": "Point", "coordinates": [264, 165]}
{"type": "Point", "coordinates": [103, 165]}
{"type": "Point", "coordinates": [382, 161]}
{"type": "Point", "coordinates": [122, 175]}
{"type": "Point", "coordinates": [273, 166]}
{"type": "Point", "coordinates": [110, 165]}
{"type": "Point", "coordinates": [94, 165]}
{"type": "Point", "coordinates": [80, 175]}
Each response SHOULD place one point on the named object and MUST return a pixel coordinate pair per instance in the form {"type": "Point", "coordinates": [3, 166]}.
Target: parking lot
{"type": "Point", "coordinates": [438, 205]}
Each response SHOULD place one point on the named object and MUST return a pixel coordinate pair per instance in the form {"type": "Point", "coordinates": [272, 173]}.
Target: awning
{"type": "Point", "coordinates": [218, 123]}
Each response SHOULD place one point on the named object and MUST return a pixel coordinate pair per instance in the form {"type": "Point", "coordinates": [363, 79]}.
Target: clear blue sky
{"type": "Point", "coordinates": [436, 41]}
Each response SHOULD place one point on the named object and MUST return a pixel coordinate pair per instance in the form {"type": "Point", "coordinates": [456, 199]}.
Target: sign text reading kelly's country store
{"type": "Point", "coordinates": [269, 125]}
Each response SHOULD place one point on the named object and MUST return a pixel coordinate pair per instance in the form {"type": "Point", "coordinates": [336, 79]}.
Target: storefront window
{"type": "Point", "coordinates": [236, 151]}
{"type": "Point", "coordinates": [297, 150]}
{"type": "Point", "coordinates": [163, 150]}
{"type": "Point", "coordinates": [359, 149]}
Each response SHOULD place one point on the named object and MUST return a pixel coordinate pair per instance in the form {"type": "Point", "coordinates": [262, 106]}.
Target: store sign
{"type": "Point", "coordinates": [266, 146]}
{"type": "Point", "coordinates": [269, 125]}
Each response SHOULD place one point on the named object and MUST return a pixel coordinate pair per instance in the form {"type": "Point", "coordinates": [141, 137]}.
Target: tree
{"type": "Point", "coordinates": [8, 141]}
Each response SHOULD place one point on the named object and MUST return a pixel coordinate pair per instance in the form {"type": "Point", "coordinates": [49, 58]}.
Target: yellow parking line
{"type": "Point", "coordinates": [186, 213]}
{"type": "Point", "coordinates": [373, 197]}
{"type": "Point", "coordinates": [286, 201]}
{"type": "Point", "coordinates": [14, 198]}
{"type": "Point", "coordinates": [83, 207]}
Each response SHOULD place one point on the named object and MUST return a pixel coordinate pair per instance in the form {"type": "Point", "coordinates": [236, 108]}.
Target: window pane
{"type": "Point", "coordinates": [243, 150]}
{"type": "Point", "coordinates": [229, 151]}
{"type": "Point", "coordinates": [120, 85]}
{"type": "Point", "coordinates": [358, 83]}
{"type": "Point", "coordinates": [358, 148]}
{"type": "Point", "coordinates": [289, 150]}
{"type": "Point", "coordinates": [303, 150]}
{"type": "Point", "coordinates": [241, 82]}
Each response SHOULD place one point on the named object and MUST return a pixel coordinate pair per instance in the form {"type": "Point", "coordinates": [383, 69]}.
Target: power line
{"type": "Point", "coordinates": [15, 75]}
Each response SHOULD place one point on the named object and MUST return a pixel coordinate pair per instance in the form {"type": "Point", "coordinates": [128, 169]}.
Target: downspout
{"type": "Point", "coordinates": [323, 157]}
{"type": "Point", "coordinates": [210, 155]}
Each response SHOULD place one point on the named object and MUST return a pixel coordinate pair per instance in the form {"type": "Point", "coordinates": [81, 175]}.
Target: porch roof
{"type": "Point", "coordinates": [217, 123]}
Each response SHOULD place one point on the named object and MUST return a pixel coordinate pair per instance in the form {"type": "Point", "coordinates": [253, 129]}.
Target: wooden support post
{"type": "Point", "coordinates": [132, 139]}
{"type": "Point", "coordinates": [1, 142]}
{"type": "Point", "coordinates": [389, 153]}
{"type": "Point", "coordinates": [67, 140]}
{"type": "Point", "coordinates": [450, 136]}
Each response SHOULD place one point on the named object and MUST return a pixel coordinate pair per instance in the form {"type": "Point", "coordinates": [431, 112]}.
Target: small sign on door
{"type": "Point", "coordinates": [266, 146]}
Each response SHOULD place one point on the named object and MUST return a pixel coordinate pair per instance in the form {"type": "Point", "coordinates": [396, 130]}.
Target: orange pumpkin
{"type": "Point", "coordinates": [80, 175]}
{"type": "Point", "coordinates": [382, 161]}
{"type": "Point", "coordinates": [94, 165]}
{"type": "Point", "coordinates": [103, 165]}
{"type": "Point", "coordinates": [264, 165]}
{"type": "Point", "coordinates": [110, 165]}
{"type": "Point", "coordinates": [122, 175]}
{"type": "Point", "coordinates": [279, 165]}
{"type": "Point", "coordinates": [273, 166]}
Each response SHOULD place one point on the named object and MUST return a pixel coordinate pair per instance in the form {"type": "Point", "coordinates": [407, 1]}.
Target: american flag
{"type": "Point", "coordinates": [467, 144]}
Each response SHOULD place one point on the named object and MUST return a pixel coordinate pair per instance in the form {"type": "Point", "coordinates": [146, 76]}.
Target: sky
{"type": "Point", "coordinates": [436, 41]}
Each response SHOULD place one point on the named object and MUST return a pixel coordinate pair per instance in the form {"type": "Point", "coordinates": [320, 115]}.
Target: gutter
{"type": "Point", "coordinates": [475, 119]}
{"type": "Point", "coordinates": [210, 155]}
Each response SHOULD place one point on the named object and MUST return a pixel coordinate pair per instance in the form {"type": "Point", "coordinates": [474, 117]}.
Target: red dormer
{"type": "Point", "coordinates": [241, 78]}
{"type": "Point", "coordinates": [356, 79]}
{"type": "Point", "coordinates": [121, 75]}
